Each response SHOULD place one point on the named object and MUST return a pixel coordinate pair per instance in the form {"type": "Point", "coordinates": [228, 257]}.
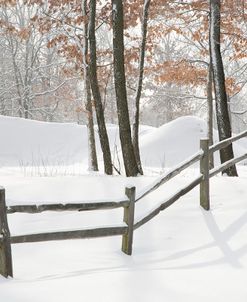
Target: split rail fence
{"type": "Point", "coordinates": [128, 205]}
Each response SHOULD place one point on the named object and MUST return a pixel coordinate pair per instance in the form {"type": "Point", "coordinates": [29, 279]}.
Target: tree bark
{"type": "Point", "coordinates": [104, 141]}
{"type": "Point", "coordinates": [223, 120]}
{"type": "Point", "coordinates": [92, 154]}
{"type": "Point", "coordinates": [130, 164]}
{"type": "Point", "coordinates": [135, 138]}
{"type": "Point", "coordinates": [210, 112]}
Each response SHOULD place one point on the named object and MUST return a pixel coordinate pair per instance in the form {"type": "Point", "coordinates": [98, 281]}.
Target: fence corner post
{"type": "Point", "coordinates": [204, 170]}
{"type": "Point", "coordinates": [129, 213]}
{"type": "Point", "coordinates": [6, 269]}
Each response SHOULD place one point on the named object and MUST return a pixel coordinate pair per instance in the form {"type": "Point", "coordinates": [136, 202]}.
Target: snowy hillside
{"type": "Point", "coordinates": [163, 146]}
{"type": "Point", "coordinates": [184, 254]}
{"type": "Point", "coordinates": [31, 143]}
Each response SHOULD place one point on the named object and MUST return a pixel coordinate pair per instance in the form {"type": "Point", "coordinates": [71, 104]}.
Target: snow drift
{"type": "Point", "coordinates": [172, 142]}
{"type": "Point", "coordinates": [184, 254]}
{"type": "Point", "coordinates": [32, 143]}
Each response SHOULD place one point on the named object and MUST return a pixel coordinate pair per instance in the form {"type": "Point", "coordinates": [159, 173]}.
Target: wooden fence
{"type": "Point", "coordinates": [128, 205]}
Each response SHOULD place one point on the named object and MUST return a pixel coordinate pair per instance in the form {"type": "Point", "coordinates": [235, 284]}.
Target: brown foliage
{"type": "Point", "coordinates": [187, 19]}
{"type": "Point", "coordinates": [181, 73]}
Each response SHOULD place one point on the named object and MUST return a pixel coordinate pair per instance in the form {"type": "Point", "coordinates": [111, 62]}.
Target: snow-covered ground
{"type": "Point", "coordinates": [183, 254]}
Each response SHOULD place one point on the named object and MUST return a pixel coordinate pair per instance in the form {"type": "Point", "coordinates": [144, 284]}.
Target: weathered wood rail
{"type": "Point", "coordinates": [129, 225]}
{"type": "Point", "coordinates": [85, 206]}
{"type": "Point", "coordinates": [126, 230]}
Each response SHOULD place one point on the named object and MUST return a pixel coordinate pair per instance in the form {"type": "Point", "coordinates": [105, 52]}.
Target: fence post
{"type": "Point", "coordinates": [5, 245]}
{"type": "Point", "coordinates": [127, 239]}
{"type": "Point", "coordinates": [204, 170]}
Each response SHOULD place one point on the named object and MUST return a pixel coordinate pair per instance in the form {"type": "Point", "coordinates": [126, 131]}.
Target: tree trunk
{"type": "Point", "coordinates": [210, 112]}
{"type": "Point", "coordinates": [130, 164]}
{"type": "Point", "coordinates": [135, 138]}
{"type": "Point", "coordinates": [92, 154]}
{"type": "Point", "coordinates": [104, 141]}
{"type": "Point", "coordinates": [223, 120]}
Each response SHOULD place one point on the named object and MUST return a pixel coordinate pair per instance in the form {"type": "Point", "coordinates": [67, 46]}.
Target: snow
{"type": "Point", "coordinates": [169, 139]}
{"type": "Point", "coordinates": [49, 149]}
{"type": "Point", "coordinates": [183, 254]}
{"type": "Point", "coordinates": [174, 142]}
{"type": "Point", "coordinates": [39, 143]}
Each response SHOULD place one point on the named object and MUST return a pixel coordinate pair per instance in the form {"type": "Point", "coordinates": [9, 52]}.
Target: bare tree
{"type": "Point", "coordinates": [33, 79]}
{"type": "Point", "coordinates": [92, 155]}
{"type": "Point", "coordinates": [223, 120]}
{"type": "Point", "coordinates": [130, 164]}
{"type": "Point", "coordinates": [104, 141]}
{"type": "Point", "coordinates": [135, 135]}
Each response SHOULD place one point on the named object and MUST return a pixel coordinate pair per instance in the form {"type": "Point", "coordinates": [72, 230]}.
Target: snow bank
{"type": "Point", "coordinates": [26, 142]}
{"type": "Point", "coordinates": [173, 142]}
{"type": "Point", "coordinates": [32, 143]}
{"type": "Point", "coordinates": [184, 254]}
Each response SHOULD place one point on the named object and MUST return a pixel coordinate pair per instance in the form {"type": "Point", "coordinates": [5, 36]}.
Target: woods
{"type": "Point", "coordinates": [125, 62]}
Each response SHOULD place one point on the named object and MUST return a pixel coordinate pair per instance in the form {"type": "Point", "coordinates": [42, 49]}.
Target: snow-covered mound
{"type": "Point", "coordinates": [26, 142]}
{"type": "Point", "coordinates": [34, 143]}
{"type": "Point", "coordinates": [172, 142]}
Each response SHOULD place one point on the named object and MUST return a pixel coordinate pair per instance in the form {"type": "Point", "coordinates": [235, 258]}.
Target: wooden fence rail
{"type": "Point", "coordinates": [83, 206]}
{"type": "Point", "coordinates": [78, 234]}
{"type": "Point", "coordinates": [223, 144]}
{"type": "Point", "coordinates": [126, 230]}
{"type": "Point", "coordinates": [169, 202]}
{"type": "Point", "coordinates": [171, 174]}
{"type": "Point", "coordinates": [226, 165]}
